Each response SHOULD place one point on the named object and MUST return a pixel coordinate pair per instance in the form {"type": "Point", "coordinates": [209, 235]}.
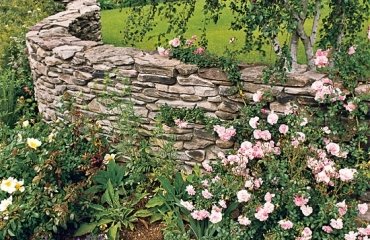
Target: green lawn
{"type": "Point", "coordinates": [218, 34]}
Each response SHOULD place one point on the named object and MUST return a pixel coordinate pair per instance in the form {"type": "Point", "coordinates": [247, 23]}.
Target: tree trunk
{"type": "Point", "coordinates": [294, 50]}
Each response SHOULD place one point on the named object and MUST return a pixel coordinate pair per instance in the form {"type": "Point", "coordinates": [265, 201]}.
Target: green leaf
{"type": "Point", "coordinates": [85, 228]}
{"type": "Point", "coordinates": [143, 213]}
{"type": "Point", "coordinates": [112, 232]}
{"type": "Point", "coordinates": [104, 221]}
{"type": "Point", "coordinates": [154, 202]}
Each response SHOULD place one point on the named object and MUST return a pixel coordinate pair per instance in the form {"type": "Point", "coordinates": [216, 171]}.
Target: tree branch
{"type": "Point", "coordinates": [316, 20]}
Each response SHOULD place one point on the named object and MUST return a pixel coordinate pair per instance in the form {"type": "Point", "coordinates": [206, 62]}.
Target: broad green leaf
{"type": "Point", "coordinates": [85, 228]}
{"type": "Point", "coordinates": [155, 201]}
{"type": "Point", "coordinates": [112, 232]}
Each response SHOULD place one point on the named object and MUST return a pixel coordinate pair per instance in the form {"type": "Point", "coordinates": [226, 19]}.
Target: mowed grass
{"type": "Point", "coordinates": [218, 35]}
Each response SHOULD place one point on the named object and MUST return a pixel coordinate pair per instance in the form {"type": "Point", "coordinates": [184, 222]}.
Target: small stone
{"type": "Point", "coordinates": [83, 75]}
{"type": "Point", "coordinates": [227, 91]}
{"type": "Point", "coordinates": [190, 98]}
{"type": "Point", "coordinates": [52, 61]}
{"type": "Point", "coordinates": [252, 74]}
{"type": "Point", "coordinates": [181, 89]}
{"type": "Point", "coordinates": [186, 69]}
{"type": "Point", "coordinates": [65, 52]}
{"type": "Point", "coordinates": [299, 91]}
{"type": "Point", "coordinates": [216, 99]}
{"type": "Point", "coordinates": [197, 155]}
{"type": "Point", "coordinates": [194, 80]}
{"type": "Point", "coordinates": [207, 106]}
{"type": "Point", "coordinates": [157, 79]}
{"type": "Point", "coordinates": [205, 91]}
{"type": "Point", "coordinates": [228, 106]}
{"type": "Point", "coordinates": [212, 73]}
{"type": "Point", "coordinates": [204, 134]}
{"type": "Point", "coordinates": [224, 144]}
{"type": "Point", "coordinates": [142, 97]}
{"type": "Point", "coordinates": [197, 143]}
{"type": "Point", "coordinates": [226, 115]}
{"type": "Point", "coordinates": [278, 107]}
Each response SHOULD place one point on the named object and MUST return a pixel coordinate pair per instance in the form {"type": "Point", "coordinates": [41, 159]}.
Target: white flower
{"type": "Point", "coordinates": [108, 158]}
{"type": "Point", "coordinates": [306, 210]}
{"type": "Point", "coordinates": [33, 143]}
{"type": "Point", "coordinates": [4, 204]}
{"type": "Point", "coordinates": [243, 196]}
{"type": "Point", "coordinates": [25, 123]}
{"type": "Point", "coordinates": [9, 185]}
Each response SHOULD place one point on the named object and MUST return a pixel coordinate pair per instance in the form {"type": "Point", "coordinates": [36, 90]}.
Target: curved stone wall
{"type": "Point", "coordinates": [66, 56]}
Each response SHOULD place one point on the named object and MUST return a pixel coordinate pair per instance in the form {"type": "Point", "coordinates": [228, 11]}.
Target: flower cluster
{"type": "Point", "coordinates": [10, 185]}
{"type": "Point", "coordinates": [225, 134]}
{"type": "Point", "coordinates": [321, 58]}
{"type": "Point", "coordinates": [176, 43]}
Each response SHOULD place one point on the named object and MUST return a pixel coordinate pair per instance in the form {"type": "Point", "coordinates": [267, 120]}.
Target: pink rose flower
{"type": "Point", "coordinates": [200, 214]}
{"type": "Point", "coordinates": [222, 203]}
{"type": "Point", "coordinates": [253, 122]}
{"type": "Point", "coordinates": [257, 97]}
{"type": "Point", "coordinates": [180, 123]}
{"type": "Point", "coordinates": [206, 166]}
{"type": "Point", "coordinates": [261, 214]}
{"type": "Point", "coordinates": [243, 196]}
{"type": "Point", "coordinates": [350, 236]}
{"type": "Point", "coordinates": [300, 201]}
{"type": "Point", "coordinates": [188, 205]}
{"type": "Point", "coordinates": [333, 148]}
{"type": "Point", "coordinates": [175, 42]}
{"type": "Point", "coordinates": [326, 130]}
{"type": "Point", "coordinates": [350, 107]}
{"type": "Point", "coordinates": [362, 208]}
{"type": "Point", "coordinates": [163, 52]}
{"type": "Point", "coordinates": [190, 190]}
{"type": "Point", "coordinates": [265, 135]}
{"type": "Point", "coordinates": [307, 232]}
{"type": "Point", "coordinates": [199, 51]}
{"type": "Point", "coordinates": [269, 196]}
{"type": "Point", "coordinates": [225, 134]}
{"type": "Point", "coordinates": [347, 174]}
{"type": "Point", "coordinates": [342, 207]}
{"type": "Point", "coordinates": [306, 210]}
{"type": "Point", "coordinates": [244, 220]}
{"type": "Point", "coordinates": [351, 50]}
{"type": "Point", "coordinates": [321, 58]}
{"type": "Point", "coordinates": [304, 122]}
{"type": "Point", "coordinates": [327, 229]}
{"type": "Point", "coordinates": [206, 194]}
{"type": "Point", "coordinates": [336, 223]}
{"type": "Point", "coordinates": [215, 217]}
{"type": "Point", "coordinates": [272, 118]}
{"type": "Point", "coordinates": [283, 129]}
{"type": "Point", "coordinates": [285, 224]}
{"type": "Point", "coordinates": [269, 207]}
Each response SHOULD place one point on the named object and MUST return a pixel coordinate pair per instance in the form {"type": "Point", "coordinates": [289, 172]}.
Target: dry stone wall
{"type": "Point", "coordinates": [66, 56]}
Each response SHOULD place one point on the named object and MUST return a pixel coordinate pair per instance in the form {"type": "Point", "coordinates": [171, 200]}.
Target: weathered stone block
{"type": "Point", "coordinates": [65, 52]}
{"type": "Point", "coordinates": [190, 98]}
{"type": "Point", "coordinates": [181, 90]}
{"type": "Point", "coordinates": [196, 155]}
{"type": "Point", "coordinates": [194, 80]}
{"type": "Point", "coordinates": [213, 73]}
{"type": "Point", "coordinates": [228, 106]}
{"type": "Point", "coordinates": [197, 143]}
{"type": "Point", "coordinates": [156, 79]}
{"type": "Point", "coordinates": [205, 91]}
